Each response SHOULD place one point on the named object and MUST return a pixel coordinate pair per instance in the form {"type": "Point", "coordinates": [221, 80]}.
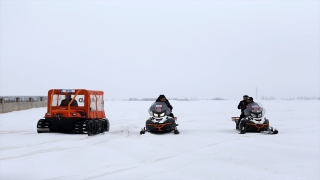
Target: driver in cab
{"type": "Point", "coordinates": [67, 100]}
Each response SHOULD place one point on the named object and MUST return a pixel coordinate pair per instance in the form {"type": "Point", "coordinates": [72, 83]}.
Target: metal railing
{"type": "Point", "coordinates": [11, 99]}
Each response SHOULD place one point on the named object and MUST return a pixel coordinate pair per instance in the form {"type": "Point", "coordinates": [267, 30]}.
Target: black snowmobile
{"type": "Point", "coordinates": [160, 121]}
{"type": "Point", "coordinates": [255, 120]}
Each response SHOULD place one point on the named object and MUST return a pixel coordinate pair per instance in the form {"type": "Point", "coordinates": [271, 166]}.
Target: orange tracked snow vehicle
{"type": "Point", "coordinates": [74, 110]}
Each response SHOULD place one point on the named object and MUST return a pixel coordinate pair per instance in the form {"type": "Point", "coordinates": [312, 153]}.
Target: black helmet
{"type": "Point", "coordinates": [161, 96]}
{"type": "Point", "coordinates": [250, 98]}
{"type": "Point", "coordinates": [245, 96]}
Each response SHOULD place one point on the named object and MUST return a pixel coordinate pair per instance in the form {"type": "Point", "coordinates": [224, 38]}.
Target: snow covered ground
{"type": "Point", "coordinates": [208, 146]}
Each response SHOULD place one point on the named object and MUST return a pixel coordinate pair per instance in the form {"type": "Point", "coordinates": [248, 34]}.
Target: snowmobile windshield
{"type": "Point", "coordinates": [255, 110]}
{"type": "Point", "coordinates": [159, 108]}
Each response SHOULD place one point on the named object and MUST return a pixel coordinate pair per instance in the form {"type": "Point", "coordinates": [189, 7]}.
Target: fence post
{"type": "Point", "coordinates": [30, 99]}
{"type": "Point", "coordinates": [18, 101]}
{"type": "Point", "coordinates": [2, 102]}
{"type": "Point", "coordinates": [41, 101]}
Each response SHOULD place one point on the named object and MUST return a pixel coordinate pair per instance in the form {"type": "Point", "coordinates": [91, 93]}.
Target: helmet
{"type": "Point", "coordinates": [250, 98]}
{"type": "Point", "coordinates": [161, 96]}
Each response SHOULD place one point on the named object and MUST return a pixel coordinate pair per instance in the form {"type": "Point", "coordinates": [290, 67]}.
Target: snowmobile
{"type": "Point", "coordinates": [256, 120]}
{"type": "Point", "coordinates": [160, 120]}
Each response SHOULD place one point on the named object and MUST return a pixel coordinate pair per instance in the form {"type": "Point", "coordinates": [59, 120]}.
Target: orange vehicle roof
{"type": "Point", "coordinates": [59, 91]}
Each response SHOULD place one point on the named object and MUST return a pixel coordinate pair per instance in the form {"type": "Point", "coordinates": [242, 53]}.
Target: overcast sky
{"type": "Point", "coordinates": [202, 49]}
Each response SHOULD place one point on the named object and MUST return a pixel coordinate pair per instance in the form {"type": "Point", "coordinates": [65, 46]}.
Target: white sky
{"type": "Point", "coordinates": [200, 49]}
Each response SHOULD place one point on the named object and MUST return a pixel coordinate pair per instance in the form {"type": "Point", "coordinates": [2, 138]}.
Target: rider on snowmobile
{"type": "Point", "coordinates": [242, 105]}
{"type": "Point", "coordinates": [162, 119]}
{"type": "Point", "coordinates": [163, 98]}
{"type": "Point", "coordinates": [254, 114]}
{"type": "Point", "coordinates": [246, 113]}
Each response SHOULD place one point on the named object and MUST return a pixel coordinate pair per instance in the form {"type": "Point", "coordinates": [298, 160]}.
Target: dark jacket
{"type": "Point", "coordinates": [242, 105]}
{"type": "Point", "coordinates": [167, 102]}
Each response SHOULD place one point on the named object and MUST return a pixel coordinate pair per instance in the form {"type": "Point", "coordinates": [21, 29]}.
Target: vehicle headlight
{"type": "Point", "coordinates": [162, 114]}
{"type": "Point", "coordinates": [259, 115]}
{"type": "Point", "coordinates": [155, 115]}
{"type": "Point", "coordinates": [253, 115]}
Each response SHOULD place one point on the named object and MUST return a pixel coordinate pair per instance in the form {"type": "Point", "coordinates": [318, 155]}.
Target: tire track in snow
{"type": "Point", "coordinates": [96, 176]}
{"type": "Point", "coordinates": [15, 132]}
{"type": "Point", "coordinates": [108, 173]}
{"type": "Point", "coordinates": [163, 158]}
{"type": "Point", "coordinates": [36, 152]}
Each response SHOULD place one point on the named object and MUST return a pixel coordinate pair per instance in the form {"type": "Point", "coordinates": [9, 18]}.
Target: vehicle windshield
{"type": "Point", "coordinates": [57, 100]}
{"type": "Point", "coordinates": [255, 108]}
{"type": "Point", "coordinates": [159, 107]}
